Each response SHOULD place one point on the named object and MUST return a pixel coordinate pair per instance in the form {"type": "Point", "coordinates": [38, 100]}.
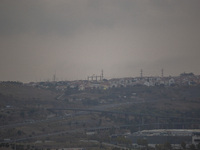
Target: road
{"type": "Point", "coordinates": [58, 118]}
{"type": "Point", "coordinates": [12, 140]}
{"type": "Point", "coordinates": [104, 143]}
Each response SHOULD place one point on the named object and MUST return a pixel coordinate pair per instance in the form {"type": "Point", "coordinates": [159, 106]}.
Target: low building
{"type": "Point", "coordinates": [173, 136]}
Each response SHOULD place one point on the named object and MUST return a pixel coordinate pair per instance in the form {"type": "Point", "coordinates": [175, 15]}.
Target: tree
{"type": "Point", "coordinates": [198, 146]}
{"type": "Point", "coordinates": [19, 132]}
{"type": "Point", "coordinates": [183, 145]}
{"type": "Point", "coordinates": [192, 147]}
{"type": "Point", "coordinates": [159, 147]}
{"type": "Point", "coordinates": [167, 146]}
{"type": "Point", "coordinates": [142, 142]}
{"type": "Point", "coordinates": [7, 145]}
{"type": "Point", "coordinates": [123, 140]}
{"type": "Point", "coordinates": [115, 148]}
{"type": "Point", "coordinates": [22, 114]}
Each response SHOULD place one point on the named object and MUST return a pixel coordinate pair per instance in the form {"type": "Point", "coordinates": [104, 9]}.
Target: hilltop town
{"type": "Point", "coordinates": [98, 82]}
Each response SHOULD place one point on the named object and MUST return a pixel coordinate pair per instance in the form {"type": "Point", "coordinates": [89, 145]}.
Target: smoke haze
{"type": "Point", "coordinates": [77, 38]}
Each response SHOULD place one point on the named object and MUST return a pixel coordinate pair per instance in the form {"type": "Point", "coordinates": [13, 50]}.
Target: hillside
{"type": "Point", "coordinates": [30, 113]}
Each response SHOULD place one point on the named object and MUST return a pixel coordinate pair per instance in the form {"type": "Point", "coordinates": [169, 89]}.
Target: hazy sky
{"type": "Point", "coordinates": [77, 38]}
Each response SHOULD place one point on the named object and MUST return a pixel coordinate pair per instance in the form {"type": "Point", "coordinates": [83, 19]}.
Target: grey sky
{"type": "Point", "coordinates": [77, 38]}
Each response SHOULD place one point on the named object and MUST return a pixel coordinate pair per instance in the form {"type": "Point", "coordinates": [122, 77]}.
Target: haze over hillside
{"type": "Point", "coordinates": [78, 38]}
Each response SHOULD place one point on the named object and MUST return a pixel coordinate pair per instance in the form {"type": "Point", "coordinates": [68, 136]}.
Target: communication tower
{"type": "Point", "coordinates": [141, 73]}
{"type": "Point", "coordinates": [162, 72]}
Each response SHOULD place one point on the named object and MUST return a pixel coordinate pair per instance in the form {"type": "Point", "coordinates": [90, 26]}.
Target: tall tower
{"type": "Point", "coordinates": [102, 74]}
{"type": "Point", "coordinates": [162, 72]}
{"type": "Point", "coordinates": [141, 73]}
{"type": "Point", "coordinates": [54, 77]}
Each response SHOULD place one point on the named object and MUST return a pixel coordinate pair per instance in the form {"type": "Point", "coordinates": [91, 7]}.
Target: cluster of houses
{"type": "Point", "coordinates": [183, 79]}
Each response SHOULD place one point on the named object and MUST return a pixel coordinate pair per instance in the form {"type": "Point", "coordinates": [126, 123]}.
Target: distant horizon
{"type": "Point", "coordinates": [57, 78]}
